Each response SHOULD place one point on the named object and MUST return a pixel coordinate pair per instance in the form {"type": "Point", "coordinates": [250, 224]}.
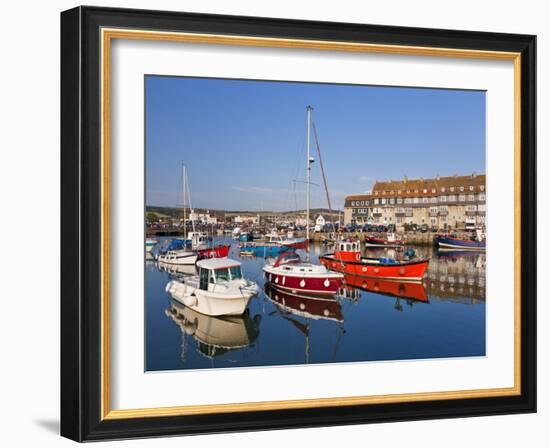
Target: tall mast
{"type": "Point", "coordinates": [183, 177]}
{"type": "Point", "coordinates": [309, 161]}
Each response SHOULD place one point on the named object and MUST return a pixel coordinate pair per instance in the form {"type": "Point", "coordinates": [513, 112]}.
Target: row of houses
{"type": "Point", "coordinates": [453, 201]}
{"type": "Point", "coordinates": [280, 218]}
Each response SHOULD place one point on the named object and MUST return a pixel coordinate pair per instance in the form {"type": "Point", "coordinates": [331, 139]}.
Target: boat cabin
{"type": "Point", "coordinates": [348, 250]}
{"type": "Point", "coordinates": [199, 239]}
{"type": "Point", "coordinates": [276, 238]}
{"type": "Point", "coordinates": [217, 271]}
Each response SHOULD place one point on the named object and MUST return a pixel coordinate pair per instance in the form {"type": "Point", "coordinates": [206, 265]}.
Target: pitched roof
{"type": "Point", "coordinates": [423, 187]}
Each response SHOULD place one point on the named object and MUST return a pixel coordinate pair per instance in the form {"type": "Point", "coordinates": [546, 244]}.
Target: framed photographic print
{"type": "Point", "coordinates": [274, 223]}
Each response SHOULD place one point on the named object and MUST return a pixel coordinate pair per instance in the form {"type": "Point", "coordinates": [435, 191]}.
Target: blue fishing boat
{"type": "Point", "coordinates": [448, 242]}
{"type": "Point", "coordinates": [264, 249]}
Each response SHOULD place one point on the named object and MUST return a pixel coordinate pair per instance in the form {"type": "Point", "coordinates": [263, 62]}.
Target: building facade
{"type": "Point", "coordinates": [442, 202]}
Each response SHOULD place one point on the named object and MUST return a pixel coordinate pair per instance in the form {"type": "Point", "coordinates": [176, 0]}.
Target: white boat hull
{"type": "Point", "coordinates": [212, 302]}
{"type": "Point", "coordinates": [182, 259]}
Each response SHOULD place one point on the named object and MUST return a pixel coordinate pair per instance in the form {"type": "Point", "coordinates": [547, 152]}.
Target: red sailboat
{"type": "Point", "coordinates": [347, 258]}
{"type": "Point", "coordinates": [288, 271]}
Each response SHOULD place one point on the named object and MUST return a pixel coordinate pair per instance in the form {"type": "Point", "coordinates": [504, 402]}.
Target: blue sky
{"type": "Point", "coordinates": [244, 141]}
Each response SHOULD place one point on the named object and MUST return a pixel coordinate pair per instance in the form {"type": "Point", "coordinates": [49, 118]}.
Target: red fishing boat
{"type": "Point", "coordinates": [391, 240]}
{"type": "Point", "coordinates": [290, 273]}
{"type": "Point", "coordinates": [403, 290]}
{"type": "Point", "coordinates": [347, 258]}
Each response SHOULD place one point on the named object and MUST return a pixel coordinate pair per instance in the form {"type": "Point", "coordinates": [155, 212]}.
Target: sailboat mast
{"type": "Point", "coordinates": [184, 194]}
{"type": "Point", "coordinates": [308, 170]}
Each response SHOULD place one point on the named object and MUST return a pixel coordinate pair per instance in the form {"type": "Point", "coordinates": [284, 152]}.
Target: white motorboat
{"type": "Point", "coordinates": [218, 290]}
{"type": "Point", "coordinates": [178, 257]}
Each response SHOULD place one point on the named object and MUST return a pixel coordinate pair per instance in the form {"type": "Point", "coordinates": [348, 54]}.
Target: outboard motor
{"type": "Point", "coordinates": [410, 253]}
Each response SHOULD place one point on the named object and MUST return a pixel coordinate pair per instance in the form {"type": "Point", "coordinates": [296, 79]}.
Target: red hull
{"type": "Point", "coordinates": [305, 285]}
{"type": "Point", "coordinates": [406, 271]}
{"type": "Point", "coordinates": [405, 290]}
{"type": "Point", "coordinates": [315, 307]}
{"type": "Point", "coordinates": [214, 252]}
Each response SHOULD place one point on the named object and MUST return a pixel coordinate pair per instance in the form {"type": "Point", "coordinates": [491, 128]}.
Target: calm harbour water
{"type": "Point", "coordinates": [369, 321]}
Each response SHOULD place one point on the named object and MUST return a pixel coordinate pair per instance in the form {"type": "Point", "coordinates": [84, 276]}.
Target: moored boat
{"type": "Point", "coordinates": [218, 290]}
{"type": "Point", "coordinates": [391, 240]}
{"type": "Point", "coordinates": [347, 259]}
{"type": "Point", "coordinates": [167, 245]}
{"type": "Point", "coordinates": [449, 242]}
{"type": "Point", "coordinates": [245, 237]}
{"type": "Point", "coordinates": [273, 244]}
{"type": "Point", "coordinates": [178, 257]}
{"type": "Point", "coordinates": [149, 244]}
{"type": "Point", "coordinates": [290, 273]}
{"type": "Point", "coordinates": [264, 250]}
{"type": "Point", "coordinates": [216, 251]}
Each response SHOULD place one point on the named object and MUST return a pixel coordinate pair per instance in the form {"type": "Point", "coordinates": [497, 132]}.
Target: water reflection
{"type": "Point", "coordinates": [215, 336]}
{"type": "Point", "coordinates": [369, 319]}
{"type": "Point", "coordinates": [305, 306]}
{"type": "Point", "coordinates": [406, 290]}
{"type": "Point", "coordinates": [299, 310]}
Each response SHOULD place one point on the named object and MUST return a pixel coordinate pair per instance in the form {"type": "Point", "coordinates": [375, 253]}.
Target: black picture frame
{"type": "Point", "coordinates": [81, 224]}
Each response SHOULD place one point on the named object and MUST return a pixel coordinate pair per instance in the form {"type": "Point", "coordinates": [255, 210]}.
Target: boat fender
{"type": "Point", "coordinates": [190, 300]}
{"type": "Point", "coordinates": [168, 286]}
{"type": "Point", "coordinates": [357, 256]}
{"type": "Point", "coordinates": [410, 253]}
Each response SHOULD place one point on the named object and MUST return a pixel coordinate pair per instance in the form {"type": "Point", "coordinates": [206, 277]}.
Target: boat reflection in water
{"type": "Point", "coordinates": [215, 336]}
{"type": "Point", "coordinates": [403, 290]}
{"type": "Point", "coordinates": [309, 307]}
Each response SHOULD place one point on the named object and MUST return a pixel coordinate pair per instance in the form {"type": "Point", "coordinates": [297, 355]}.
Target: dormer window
{"type": "Point", "coordinates": [461, 188]}
{"type": "Point", "coordinates": [442, 189]}
{"type": "Point", "coordinates": [452, 188]}
{"type": "Point", "coordinates": [471, 188]}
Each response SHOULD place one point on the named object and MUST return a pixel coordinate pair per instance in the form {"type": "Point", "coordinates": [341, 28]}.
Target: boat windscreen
{"type": "Point", "coordinates": [222, 275]}
{"type": "Point", "coordinates": [236, 272]}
